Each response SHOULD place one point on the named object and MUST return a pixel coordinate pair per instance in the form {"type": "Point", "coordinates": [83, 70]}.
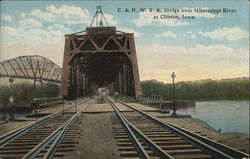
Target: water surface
{"type": "Point", "coordinates": [229, 116]}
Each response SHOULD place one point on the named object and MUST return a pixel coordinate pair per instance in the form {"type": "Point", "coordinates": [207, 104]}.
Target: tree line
{"type": "Point", "coordinates": [197, 90]}
{"type": "Point", "coordinates": [23, 93]}
{"type": "Point", "coordinates": [206, 90]}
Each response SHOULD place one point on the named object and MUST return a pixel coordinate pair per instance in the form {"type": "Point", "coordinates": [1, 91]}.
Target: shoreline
{"type": "Point", "coordinates": [213, 129]}
{"type": "Point", "coordinates": [204, 123]}
{"type": "Point", "coordinates": [239, 141]}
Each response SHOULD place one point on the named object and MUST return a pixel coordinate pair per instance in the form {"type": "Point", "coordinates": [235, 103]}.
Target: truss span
{"type": "Point", "coordinates": [31, 67]}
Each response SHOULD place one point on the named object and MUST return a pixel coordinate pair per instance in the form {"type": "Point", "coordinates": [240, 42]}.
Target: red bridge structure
{"type": "Point", "coordinates": [100, 57]}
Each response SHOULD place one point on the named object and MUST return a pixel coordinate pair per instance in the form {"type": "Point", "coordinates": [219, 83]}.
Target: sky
{"type": "Point", "coordinates": [213, 45]}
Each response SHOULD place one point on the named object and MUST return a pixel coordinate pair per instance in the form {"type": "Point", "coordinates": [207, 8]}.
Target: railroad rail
{"type": "Point", "coordinates": [49, 136]}
{"type": "Point", "coordinates": [145, 136]}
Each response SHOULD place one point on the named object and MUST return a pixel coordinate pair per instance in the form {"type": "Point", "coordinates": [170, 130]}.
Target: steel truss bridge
{"type": "Point", "coordinates": [34, 67]}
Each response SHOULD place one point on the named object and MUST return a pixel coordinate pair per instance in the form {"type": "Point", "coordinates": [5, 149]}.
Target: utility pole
{"type": "Point", "coordinates": [11, 98]}
{"type": "Point", "coordinates": [174, 105]}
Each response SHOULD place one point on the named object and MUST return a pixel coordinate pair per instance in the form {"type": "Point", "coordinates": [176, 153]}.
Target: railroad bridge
{"type": "Point", "coordinates": [32, 67]}
{"type": "Point", "coordinates": [100, 57]}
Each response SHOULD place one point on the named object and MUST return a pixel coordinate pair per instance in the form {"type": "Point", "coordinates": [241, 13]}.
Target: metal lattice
{"type": "Point", "coordinates": [31, 67]}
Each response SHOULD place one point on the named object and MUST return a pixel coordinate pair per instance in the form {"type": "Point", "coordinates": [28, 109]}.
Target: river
{"type": "Point", "coordinates": [229, 116]}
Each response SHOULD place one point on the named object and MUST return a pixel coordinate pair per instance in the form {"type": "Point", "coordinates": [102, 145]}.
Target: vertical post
{"type": "Point", "coordinates": [76, 97]}
{"type": "Point", "coordinates": [75, 104]}
{"type": "Point", "coordinates": [63, 105]}
{"type": "Point", "coordinates": [174, 109]}
{"type": "Point", "coordinates": [160, 103]}
{"type": "Point", "coordinates": [34, 82]}
{"type": "Point", "coordinates": [174, 105]}
{"type": "Point", "coordinates": [11, 98]}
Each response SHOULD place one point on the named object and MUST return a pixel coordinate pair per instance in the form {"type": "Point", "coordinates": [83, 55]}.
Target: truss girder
{"type": "Point", "coordinates": [31, 67]}
{"type": "Point", "coordinates": [102, 57]}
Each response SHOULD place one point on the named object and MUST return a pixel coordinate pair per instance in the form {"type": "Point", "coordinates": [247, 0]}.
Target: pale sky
{"type": "Point", "coordinates": [213, 45]}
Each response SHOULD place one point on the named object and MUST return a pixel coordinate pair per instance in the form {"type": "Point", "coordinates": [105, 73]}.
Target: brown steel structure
{"type": "Point", "coordinates": [100, 57]}
{"type": "Point", "coordinates": [34, 67]}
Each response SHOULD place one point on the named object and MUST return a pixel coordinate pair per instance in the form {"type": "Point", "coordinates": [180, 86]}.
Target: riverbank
{"type": "Point", "coordinates": [239, 141]}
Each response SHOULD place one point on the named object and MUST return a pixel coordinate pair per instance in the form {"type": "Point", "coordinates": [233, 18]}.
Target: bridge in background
{"type": "Point", "coordinates": [34, 67]}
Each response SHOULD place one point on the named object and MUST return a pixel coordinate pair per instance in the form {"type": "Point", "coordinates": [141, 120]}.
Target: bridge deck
{"type": "Point", "coordinates": [61, 107]}
{"type": "Point", "coordinates": [144, 107]}
{"type": "Point", "coordinates": [102, 108]}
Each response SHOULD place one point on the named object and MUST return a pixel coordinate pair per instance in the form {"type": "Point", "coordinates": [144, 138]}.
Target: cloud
{"type": "Point", "coordinates": [42, 15]}
{"type": "Point", "coordinates": [111, 20]}
{"type": "Point", "coordinates": [21, 14]}
{"type": "Point", "coordinates": [166, 34]}
{"type": "Point", "coordinates": [30, 23]}
{"type": "Point", "coordinates": [6, 18]}
{"type": "Point", "coordinates": [226, 33]}
{"type": "Point", "coordinates": [190, 63]}
{"type": "Point", "coordinates": [22, 40]}
{"type": "Point", "coordinates": [8, 31]}
{"type": "Point", "coordinates": [127, 30]}
{"type": "Point", "coordinates": [60, 27]}
{"type": "Point", "coordinates": [190, 34]}
{"type": "Point", "coordinates": [146, 18]}
{"type": "Point", "coordinates": [68, 14]}
{"type": "Point", "coordinates": [193, 36]}
{"type": "Point", "coordinates": [65, 14]}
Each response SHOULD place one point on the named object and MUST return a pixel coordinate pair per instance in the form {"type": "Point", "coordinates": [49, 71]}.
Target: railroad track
{"type": "Point", "coordinates": [140, 135]}
{"type": "Point", "coordinates": [48, 137]}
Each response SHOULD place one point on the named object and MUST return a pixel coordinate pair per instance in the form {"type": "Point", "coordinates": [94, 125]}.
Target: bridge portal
{"type": "Point", "coordinates": [100, 57]}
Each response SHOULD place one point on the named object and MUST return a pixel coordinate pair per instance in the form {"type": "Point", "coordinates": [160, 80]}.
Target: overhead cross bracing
{"type": "Point", "coordinates": [101, 57]}
{"type": "Point", "coordinates": [31, 67]}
